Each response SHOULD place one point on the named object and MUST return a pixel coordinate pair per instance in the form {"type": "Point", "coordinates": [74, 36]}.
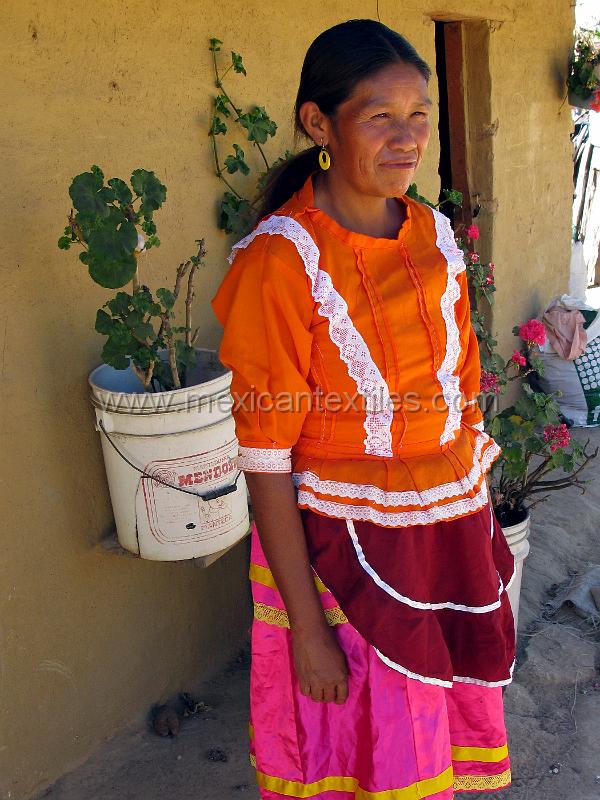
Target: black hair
{"type": "Point", "coordinates": [337, 60]}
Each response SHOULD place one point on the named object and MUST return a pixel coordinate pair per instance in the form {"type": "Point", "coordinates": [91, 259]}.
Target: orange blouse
{"type": "Point", "coordinates": [355, 365]}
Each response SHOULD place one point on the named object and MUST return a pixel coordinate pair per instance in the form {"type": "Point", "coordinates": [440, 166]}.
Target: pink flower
{"type": "Point", "coordinates": [489, 382]}
{"type": "Point", "coordinates": [595, 102]}
{"type": "Point", "coordinates": [491, 266]}
{"type": "Point", "coordinates": [533, 332]}
{"type": "Point", "coordinates": [474, 257]}
{"type": "Point", "coordinates": [473, 232]}
{"type": "Point", "coordinates": [489, 279]}
{"type": "Point", "coordinates": [518, 358]}
{"type": "Point", "coordinates": [557, 436]}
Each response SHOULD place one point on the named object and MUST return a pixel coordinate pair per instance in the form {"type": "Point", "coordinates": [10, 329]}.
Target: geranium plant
{"type": "Point", "coordinates": [584, 71]}
{"type": "Point", "coordinates": [236, 211]}
{"type": "Point", "coordinates": [538, 455]}
{"type": "Point", "coordinates": [534, 439]}
{"type": "Point", "coordinates": [113, 225]}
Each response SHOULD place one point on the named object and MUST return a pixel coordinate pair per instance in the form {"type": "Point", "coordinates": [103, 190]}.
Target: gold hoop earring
{"type": "Point", "coordinates": [324, 159]}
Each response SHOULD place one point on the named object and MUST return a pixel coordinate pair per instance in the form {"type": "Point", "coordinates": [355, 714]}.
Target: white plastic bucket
{"type": "Point", "coordinates": [184, 442]}
{"type": "Point", "coordinates": [517, 537]}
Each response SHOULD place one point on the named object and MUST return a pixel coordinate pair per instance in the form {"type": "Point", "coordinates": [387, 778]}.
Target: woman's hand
{"type": "Point", "coordinates": [319, 660]}
{"type": "Point", "coordinates": [320, 665]}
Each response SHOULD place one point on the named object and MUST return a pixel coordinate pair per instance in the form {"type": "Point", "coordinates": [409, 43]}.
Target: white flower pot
{"type": "Point", "coordinates": [517, 537]}
{"type": "Point", "coordinates": [184, 443]}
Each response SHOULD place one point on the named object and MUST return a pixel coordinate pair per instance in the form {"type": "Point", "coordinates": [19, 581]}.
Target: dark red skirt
{"type": "Point", "coordinates": [431, 598]}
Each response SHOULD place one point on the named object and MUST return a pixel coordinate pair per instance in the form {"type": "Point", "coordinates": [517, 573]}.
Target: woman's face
{"type": "Point", "coordinates": [378, 136]}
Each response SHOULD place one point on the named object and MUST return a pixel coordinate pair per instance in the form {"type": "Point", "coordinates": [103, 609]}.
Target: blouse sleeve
{"type": "Point", "coordinates": [470, 370]}
{"type": "Point", "coordinates": [266, 308]}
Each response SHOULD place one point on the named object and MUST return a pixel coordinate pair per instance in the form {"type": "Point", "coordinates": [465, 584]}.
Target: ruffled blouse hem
{"type": "Point", "coordinates": [400, 493]}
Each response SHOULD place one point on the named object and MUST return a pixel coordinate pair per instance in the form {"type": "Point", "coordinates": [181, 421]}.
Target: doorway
{"type": "Point", "coordinates": [466, 129]}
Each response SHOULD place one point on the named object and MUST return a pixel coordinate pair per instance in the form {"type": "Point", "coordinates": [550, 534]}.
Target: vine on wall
{"type": "Point", "coordinates": [236, 211]}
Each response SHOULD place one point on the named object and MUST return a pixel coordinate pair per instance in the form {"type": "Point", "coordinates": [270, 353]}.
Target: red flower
{"type": "Point", "coordinates": [473, 232]}
{"type": "Point", "coordinates": [489, 279]}
{"type": "Point", "coordinates": [474, 257]}
{"type": "Point", "coordinates": [557, 436]}
{"type": "Point", "coordinates": [533, 332]}
{"type": "Point", "coordinates": [595, 102]}
{"type": "Point", "coordinates": [518, 358]}
{"type": "Point", "coordinates": [489, 382]}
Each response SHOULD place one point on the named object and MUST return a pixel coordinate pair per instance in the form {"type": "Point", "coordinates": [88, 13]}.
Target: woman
{"type": "Point", "coordinates": [383, 634]}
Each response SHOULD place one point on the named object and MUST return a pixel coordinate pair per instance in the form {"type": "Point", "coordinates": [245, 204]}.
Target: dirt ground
{"type": "Point", "coordinates": [552, 706]}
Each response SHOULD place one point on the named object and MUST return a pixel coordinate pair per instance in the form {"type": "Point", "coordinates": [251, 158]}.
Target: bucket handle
{"type": "Point", "coordinates": [210, 495]}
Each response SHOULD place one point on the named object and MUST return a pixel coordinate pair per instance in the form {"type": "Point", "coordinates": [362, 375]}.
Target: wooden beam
{"type": "Point", "coordinates": [456, 117]}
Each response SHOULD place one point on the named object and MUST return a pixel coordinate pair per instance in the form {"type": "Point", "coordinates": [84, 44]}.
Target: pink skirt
{"type": "Point", "coordinates": [395, 738]}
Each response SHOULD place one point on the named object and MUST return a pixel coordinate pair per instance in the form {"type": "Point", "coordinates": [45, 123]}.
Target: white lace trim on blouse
{"type": "Point", "coordinates": [446, 374]}
{"type": "Point", "coordinates": [264, 459]}
{"type": "Point", "coordinates": [351, 345]}
{"type": "Point", "coordinates": [381, 497]}
{"type": "Point", "coordinates": [395, 519]}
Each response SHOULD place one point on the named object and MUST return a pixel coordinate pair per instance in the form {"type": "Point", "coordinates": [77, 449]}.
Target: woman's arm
{"type": "Point", "coordinates": [320, 663]}
{"type": "Point", "coordinates": [266, 308]}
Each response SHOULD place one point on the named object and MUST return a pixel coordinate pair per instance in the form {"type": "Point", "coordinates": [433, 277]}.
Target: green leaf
{"type": "Point", "coordinates": [235, 214]}
{"type": "Point", "coordinates": [217, 126]}
{"type": "Point", "coordinates": [222, 105]}
{"type": "Point", "coordinates": [149, 227]}
{"type": "Point", "coordinates": [107, 194]}
{"type": "Point", "coordinates": [85, 258]}
{"type": "Point", "coordinates": [89, 221]}
{"type": "Point", "coordinates": [122, 191]}
{"type": "Point", "coordinates": [147, 186]}
{"type": "Point", "coordinates": [152, 241]}
{"type": "Point", "coordinates": [120, 303]}
{"type": "Point", "coordinates": [258, 124]}
{"type": "Point", "coordinates": [214, 45]}
{"type": "Point", "coordinates": [104, 322]}
{"type": "Point", "coordinates": [237, 162]}
{"type": "Point", "coordinates": [121, 337]}
{"type": "Point", "coordinates": [95, 170]}
{"type": "Point", "coordinates": [64, 242]}
{"type": "Point", "coordinates": [133, 318]}
{"type": "Point", "coordinates": [142, 301]}
{"type": "Point", "coordinates": [142, 356]}
{"type": "Point", "coordinates": [85, 193]}
{"type": "Point", "coordinates": [115, 273]}
{"type": "Point", "coordinates": [166, 297]}
{"type": "Point", "coordinates": [144, 331]}
{"type": "Point", "coordinates": [453, 196]}
{"type": "Point", "coordinates": [114, 355]}
{"type": "Point", "coordinates": [185, 354]}
{"type": "Point", "coordinates": [110, 258]}
{"type": "Point", "coordinates": [537, 364]}
{"type": "Point", "coordinates": [108, 243]}
{"type": "Point", "coordinates": [237, 62]}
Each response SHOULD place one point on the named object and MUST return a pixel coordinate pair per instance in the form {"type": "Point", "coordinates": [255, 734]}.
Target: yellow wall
{"type": "Point", "coordinates": [88, 641]}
